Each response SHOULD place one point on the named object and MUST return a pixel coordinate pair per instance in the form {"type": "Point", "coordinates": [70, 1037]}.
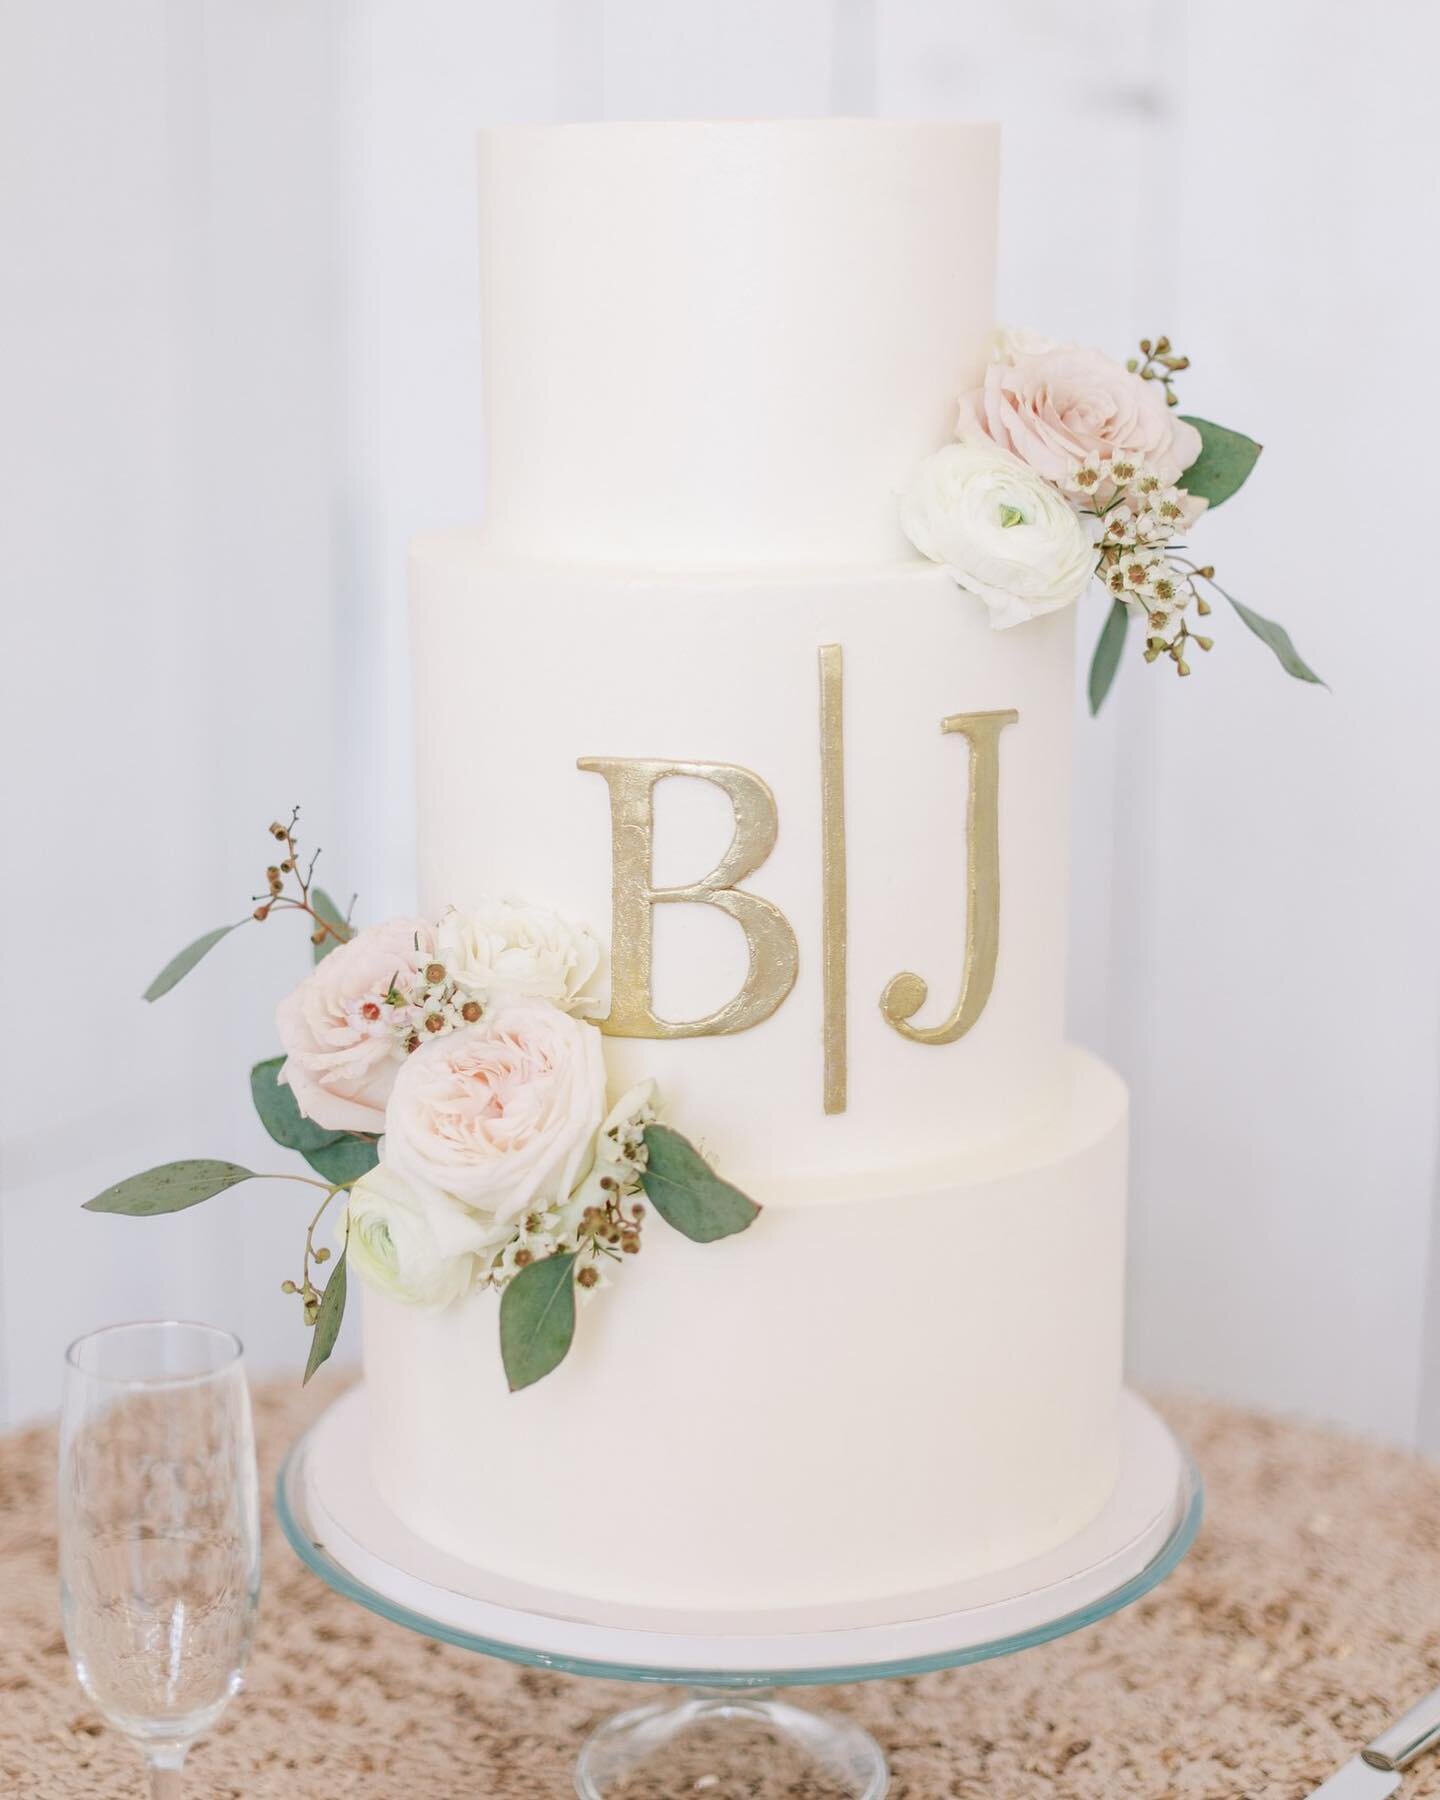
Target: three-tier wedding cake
{"type": "Point", "coordinates": [689, 682]}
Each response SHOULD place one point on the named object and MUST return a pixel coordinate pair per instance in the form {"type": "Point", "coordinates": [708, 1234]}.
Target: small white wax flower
{"type": "Point", "coordinates": [1135, 568]}
{"type": "Point", "coordinates": [1006, 535]}
{"type": "Point", "coordinates": [1150, 529]}
{"type": "Point", "coordinates": [618, 1154]}
{"type": "Point", "coordinates": [1176, 509]}
{"type": "Point", "coordinates": [598, 1274]}
{"type": "Point", "coordinates": [524, 1248]}
{"type": "Point", "coordinates": [1085, 479]}
{"type": "Point", "coordinates": [1167, 589]}
{"type": "Point", "coordinates": [368, 1015]}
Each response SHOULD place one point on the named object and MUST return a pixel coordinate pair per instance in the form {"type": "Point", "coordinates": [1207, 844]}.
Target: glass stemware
{"type": "Point", "coordinates": [159, 1531]}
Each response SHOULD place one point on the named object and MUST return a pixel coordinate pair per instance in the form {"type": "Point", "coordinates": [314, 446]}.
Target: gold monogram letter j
{"type": "Point", "coordinates": [768, 935]}
{"type": "Point", "coordinates": [906, 993]}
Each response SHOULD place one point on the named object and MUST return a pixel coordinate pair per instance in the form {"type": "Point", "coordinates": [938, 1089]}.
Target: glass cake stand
{"type": "Point", "coordinates": [726, 1722]}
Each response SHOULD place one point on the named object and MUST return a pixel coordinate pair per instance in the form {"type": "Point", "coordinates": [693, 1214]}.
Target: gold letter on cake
{"type": "Point", "coordinates": [906, 993]}
{"type": "Point", "coordinates": [768, 936]}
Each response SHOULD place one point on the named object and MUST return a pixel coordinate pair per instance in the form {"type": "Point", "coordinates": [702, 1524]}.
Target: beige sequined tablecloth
{"type": "Point", "coordinates": [1307, 1614]}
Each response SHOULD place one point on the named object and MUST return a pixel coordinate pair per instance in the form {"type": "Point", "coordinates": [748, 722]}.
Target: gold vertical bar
{"type": "Point", "coordinates": [835, 896]}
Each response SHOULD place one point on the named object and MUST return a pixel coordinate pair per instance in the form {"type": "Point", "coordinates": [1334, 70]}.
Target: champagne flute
{"type": "Point", "coordinates": [159, 1531]}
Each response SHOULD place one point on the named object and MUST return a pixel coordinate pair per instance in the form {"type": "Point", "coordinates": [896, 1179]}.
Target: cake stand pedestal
{"type": "Point", "coordinates": [725, 1726]}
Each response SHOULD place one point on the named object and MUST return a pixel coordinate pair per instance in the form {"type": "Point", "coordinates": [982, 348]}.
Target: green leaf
{"type": "Point", "coordinates": [340, 1156]}
{"type": "Point", "coordinates": [537, 1319]}
{"type": "Point", "coordinates": [170, 1188]}
{"type": "Point", "coordinates": [1107, 654]}
{"type": "Point", "coordinates": [280, 1112]}
{"type": "Point", "coordinates": [1278, 639]}
{"type": "Point", "coordinates": [687, 1193]}
{"type": "Point", "coordinates": [344, 1161]}
{"type": "Point", "coordinates": [332, 915]}
{"type": "Point", "coordinates": [1223, 465]}
{"type": "Point", "coordinates": [180, 966]}
{"type": "Point", "coordinates": [327, 1320]}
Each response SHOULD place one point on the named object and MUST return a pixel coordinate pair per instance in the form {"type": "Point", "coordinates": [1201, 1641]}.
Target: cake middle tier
{"type": "Point", "coordinates": [789, 804]}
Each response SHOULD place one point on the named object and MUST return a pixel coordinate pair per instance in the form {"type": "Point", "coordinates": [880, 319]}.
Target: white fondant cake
{"type": "Point", "coordinates": [713, 353]}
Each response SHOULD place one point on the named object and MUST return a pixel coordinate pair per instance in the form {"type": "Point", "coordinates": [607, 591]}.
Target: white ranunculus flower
{"type": "Point", "coordinates": [501, 1114]}
{"type": "Point", "coordinates": [1002, 532]}
{"type": "Point", "coordinates": [506, 949]}
{"type": "Point", "coordinates": [412, 1242]}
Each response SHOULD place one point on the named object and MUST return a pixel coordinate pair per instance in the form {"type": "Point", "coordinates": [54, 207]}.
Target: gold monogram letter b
{"type": "Point", "coordinates": [768, 935]}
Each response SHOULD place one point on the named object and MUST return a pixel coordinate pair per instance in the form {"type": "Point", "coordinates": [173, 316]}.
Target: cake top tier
{"type": "Point", "coordinates": [727, 343]}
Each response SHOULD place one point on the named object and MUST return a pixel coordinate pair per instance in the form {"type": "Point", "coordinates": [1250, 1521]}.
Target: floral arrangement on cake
{"type": "Point", "coordinates": [1071, 468]}
{"type": "Point", "coordinates": [447, 1077]}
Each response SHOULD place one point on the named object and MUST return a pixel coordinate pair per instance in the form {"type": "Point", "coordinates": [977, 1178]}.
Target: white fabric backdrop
{"type": "Point", "coordinates": [238, 368]}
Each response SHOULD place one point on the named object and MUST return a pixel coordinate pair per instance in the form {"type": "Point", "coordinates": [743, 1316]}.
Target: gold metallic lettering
{"type": "Point", "coordinates": [769, 938]}
{"type": "Point", "coordinates": [906, 993]}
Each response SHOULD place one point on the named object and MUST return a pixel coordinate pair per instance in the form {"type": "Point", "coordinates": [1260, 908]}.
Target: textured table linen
{"type": "Point", "coordinates": [1307, 1614]}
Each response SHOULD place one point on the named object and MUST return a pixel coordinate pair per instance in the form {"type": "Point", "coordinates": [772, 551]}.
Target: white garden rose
{"type": "Point", "coordinates": [1002, 532]}
{"type": "Point", "coordinates": [506, 949]}
{"type": "Point", "coordinates": [501, 1114]}
{"type": "Point", "coordinates": [412, 1242]}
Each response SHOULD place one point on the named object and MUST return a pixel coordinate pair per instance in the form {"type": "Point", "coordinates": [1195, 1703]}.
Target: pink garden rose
{"type": "Point", "coordinates": [341, 1051]}
{"type": "Point", "coordinates": [501, 1115]}
{"type": "Point", "coordinates": [1056, 408]}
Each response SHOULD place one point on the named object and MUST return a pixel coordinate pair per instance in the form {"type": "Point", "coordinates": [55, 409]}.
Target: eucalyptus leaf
{"type": "Point", "coordinates": [180, 966]}
{"type": "Point", "coordinates": [686, 1191]}
{"type": "Point", "coordinates": [170, 1188]}
{"type": "Point", "coordinates": [1223, 465]}
{"type": "Point", "coordinates": [537, 1319]}
{"type": "Point", "coordinates": [1277, 638]}
{"type": "Point", "coordinates": [280, 1112]}
{"type": "Point", "coordinates": [1107, 654]}
{"type": "Point", "coordinates": [327, 1320]}
{"type": "Point", "coordinates": [344, 1161]}
{"type": "Point", "coordinates": [332, 915]}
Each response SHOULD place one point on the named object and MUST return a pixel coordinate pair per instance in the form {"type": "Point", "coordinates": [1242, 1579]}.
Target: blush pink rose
{"type": "Point", "coordinates": [1059, 407]}
{"type": "Point", "coordinates": [501, 1115]}
{"type": "Point", "coordinates": [341, 1055]}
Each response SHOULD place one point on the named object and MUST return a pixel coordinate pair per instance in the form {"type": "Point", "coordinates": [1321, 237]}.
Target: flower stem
{"type": "Point", "coordinates": [307, 1288]}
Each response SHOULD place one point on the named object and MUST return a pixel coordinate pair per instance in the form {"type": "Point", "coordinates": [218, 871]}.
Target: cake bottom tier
{"type": "Point", "coordinates": [900, 1379]}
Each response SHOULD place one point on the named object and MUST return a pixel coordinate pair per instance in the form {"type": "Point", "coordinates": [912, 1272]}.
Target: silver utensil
{"type": "Point", "coordinates": [1375, 1772]}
